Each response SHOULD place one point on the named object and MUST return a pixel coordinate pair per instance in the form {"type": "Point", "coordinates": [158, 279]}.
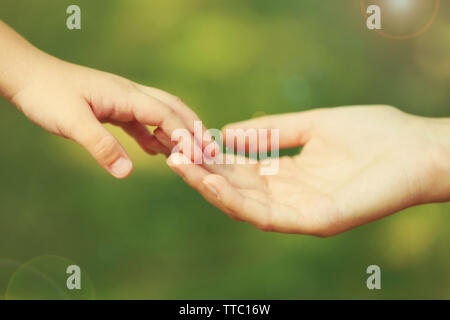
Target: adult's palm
{"type": "Point", "coordinates": [357, 164]}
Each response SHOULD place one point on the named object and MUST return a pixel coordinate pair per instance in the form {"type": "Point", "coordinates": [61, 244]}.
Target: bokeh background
{"type": "Point", "coordinates": [151, 236]}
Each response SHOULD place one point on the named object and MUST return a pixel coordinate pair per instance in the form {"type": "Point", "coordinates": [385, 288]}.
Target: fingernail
{"type": "Point", "coordinates": [211, 188]}
{"type": "Point", "coordinates": [174, 168]}
{"type": "Point", "coordinates": [121, 167]}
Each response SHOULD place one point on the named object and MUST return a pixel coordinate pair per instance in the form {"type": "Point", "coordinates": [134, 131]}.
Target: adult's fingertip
{"type": "Point", "coordinates": [170, 160]}
{"type": "Point", "coordinates": [177, 159]}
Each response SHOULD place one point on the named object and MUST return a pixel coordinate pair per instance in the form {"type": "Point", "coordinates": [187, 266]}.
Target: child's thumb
{"type": "Point", "coordinates": [103, 146]}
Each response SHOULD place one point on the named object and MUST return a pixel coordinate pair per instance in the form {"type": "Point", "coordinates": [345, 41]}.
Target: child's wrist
{"type": "Point", "coordinates": [18, 63]}
{"type": "Point", "coordinates": [24, 74]}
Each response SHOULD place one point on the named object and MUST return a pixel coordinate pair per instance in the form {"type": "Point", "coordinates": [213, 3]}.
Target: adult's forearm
{"type": "Point", "coordinates": [440, 154]}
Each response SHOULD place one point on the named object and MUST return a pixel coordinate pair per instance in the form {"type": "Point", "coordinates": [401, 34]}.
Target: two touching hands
{"type": "Point", "coordinates": [357, 164]}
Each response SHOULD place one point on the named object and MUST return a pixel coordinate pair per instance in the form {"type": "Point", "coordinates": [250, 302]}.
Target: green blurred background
{"type": "Point", "coordinates": [151, 236]}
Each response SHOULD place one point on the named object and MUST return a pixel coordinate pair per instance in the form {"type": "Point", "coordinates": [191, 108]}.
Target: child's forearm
{"type": "Point", "coordinates": [18, 61]}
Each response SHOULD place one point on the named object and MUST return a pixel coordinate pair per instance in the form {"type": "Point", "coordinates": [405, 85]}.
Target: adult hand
{"type": "Point", "coordinates": [358, 164]}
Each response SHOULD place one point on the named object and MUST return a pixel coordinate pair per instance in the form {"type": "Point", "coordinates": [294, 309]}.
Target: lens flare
{"type": "Point", "coordinates": [403, 19]}
{"type": "Point", "coordinates": [400, 5]}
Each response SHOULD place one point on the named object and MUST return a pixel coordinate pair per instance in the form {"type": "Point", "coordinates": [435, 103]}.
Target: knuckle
{"type": "Point", "coordinates": [323, 231]}
{"type": "Point", "coordinates": [104, 148]}
{"type": "Point", "coordinates": [167, 115]}
{"type": "Point", "coordinates": [321, 234]}
{"type": "Point", "coordinates": [265, 225]}
{"type": "Point", "coordinates": [386, 107]}
{"type": "Point", "coordinates": [234, 216]}
{"type": "Point", "coordinates": [176, 100]}
{"type": "Point", "coordinates": [117, 83]}
{"type": "Point", "coordinates": [124, 84]}
{"type": "Point", "coordinates": [134, 95]}
{"type": "Point", "coordinates": [67, 131]}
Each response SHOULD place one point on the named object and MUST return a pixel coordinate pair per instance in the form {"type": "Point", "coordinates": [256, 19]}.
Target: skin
{"type": "Point", "coordinates": [357, 165]}
{"type": "Point", "coordinates": [72, 101]}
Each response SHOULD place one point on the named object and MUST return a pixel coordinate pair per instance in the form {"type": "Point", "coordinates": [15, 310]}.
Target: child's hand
{"type": "Point", "coordinates": [72, 101]}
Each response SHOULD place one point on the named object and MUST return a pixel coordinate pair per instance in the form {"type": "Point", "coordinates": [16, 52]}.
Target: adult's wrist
{"type": "Point", "coordinates": [440, 159]}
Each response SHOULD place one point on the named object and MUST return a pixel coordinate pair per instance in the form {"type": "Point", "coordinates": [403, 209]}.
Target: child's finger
{"type": "Point", "coordinates": [163, 139]}
{"type": "Point", "coordinates": [187, 114]}
{"type": "Point", "coordinates": [174, 102]}
{"type": "Point", "coordinates": [144, 138]}
{"type": "Point", "coordinates": [151, 111]}
{"type": "Point", "coordinates": [102, 145]}
{"type": "Point", "coordinates": [168, 142]}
